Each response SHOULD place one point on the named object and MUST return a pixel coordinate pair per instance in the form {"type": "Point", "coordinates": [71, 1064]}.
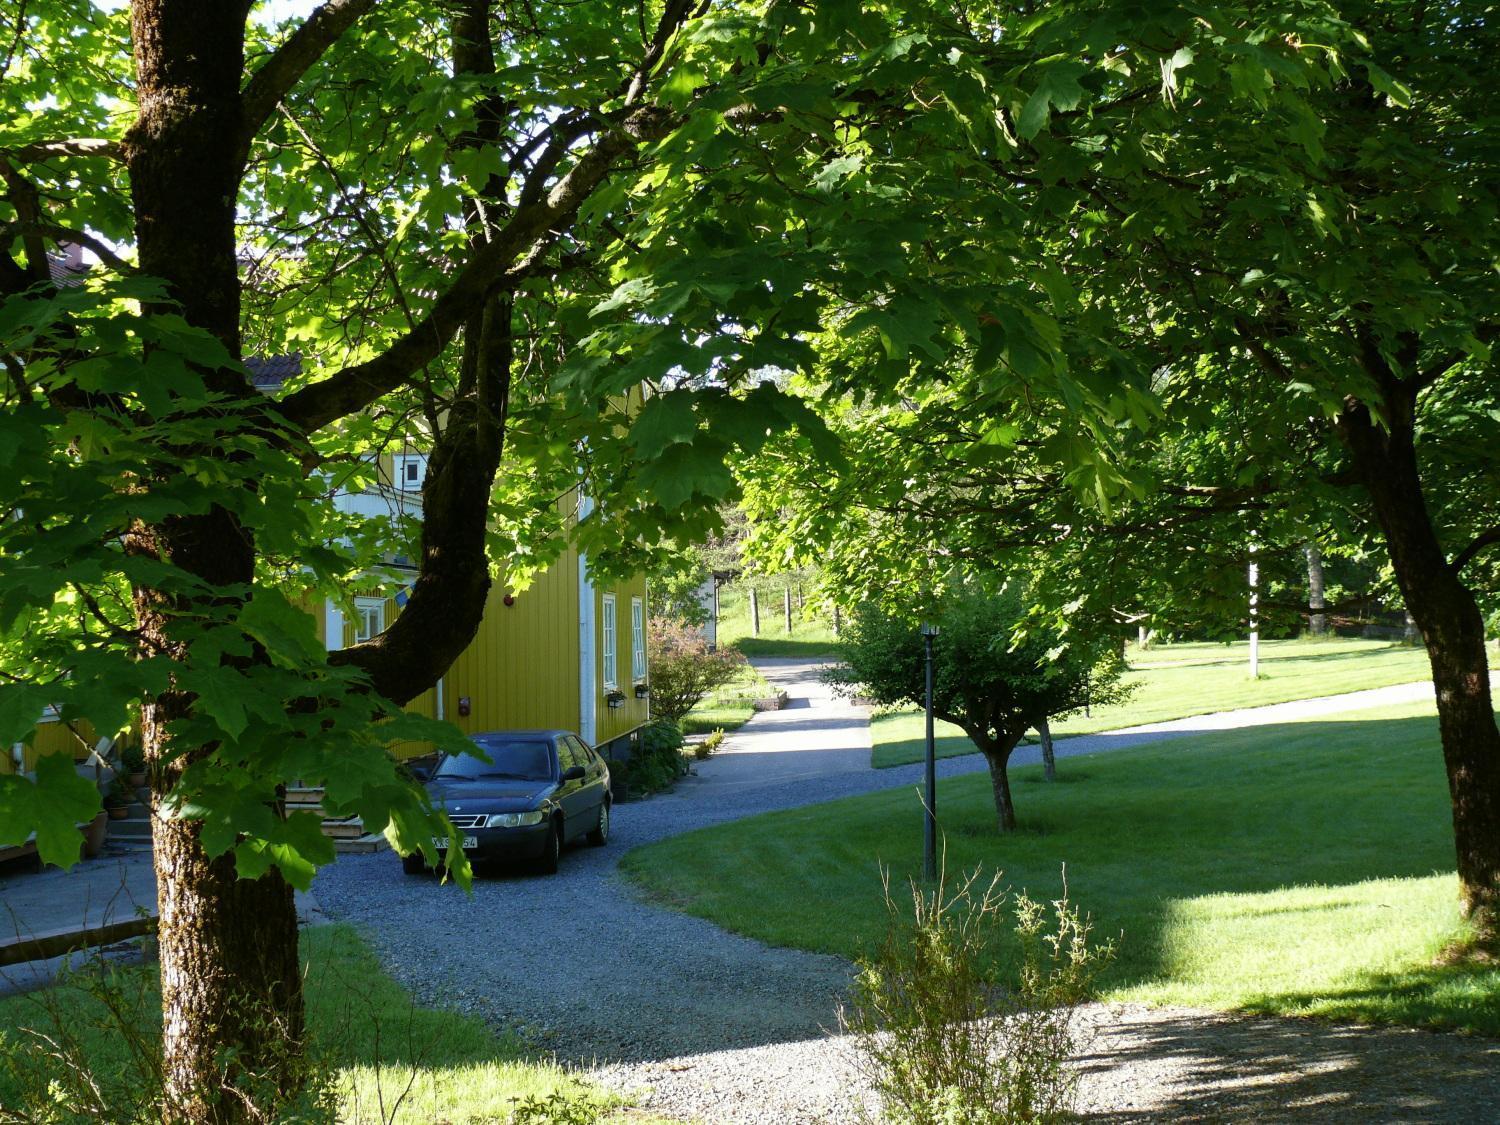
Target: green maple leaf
{"type": "Point", "coordinates": [52, 806]}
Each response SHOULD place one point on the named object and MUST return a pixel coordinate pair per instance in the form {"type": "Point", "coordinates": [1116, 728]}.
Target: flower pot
{"type": "Point", "coordinates": [94, 833]}
{"type": "Point", "coordinates": [138, 779]}
{"type": "Point", "coordinates": [119, 812]}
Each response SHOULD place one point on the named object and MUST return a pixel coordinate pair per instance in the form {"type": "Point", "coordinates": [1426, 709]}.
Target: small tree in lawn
{"type": "Point", "coordinates": [992, 678]}
{"type": "Point", "coordinates": [683, 668]}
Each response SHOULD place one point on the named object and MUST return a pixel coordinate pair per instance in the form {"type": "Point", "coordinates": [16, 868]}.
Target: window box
{"type": "Point", "coordinates": [642, 690]}
{"type": "Point", "coordinates": [615, 698]}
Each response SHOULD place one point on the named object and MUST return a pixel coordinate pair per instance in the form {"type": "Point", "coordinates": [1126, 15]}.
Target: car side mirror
{"type": "Point", "coordinates": [573, 773]}
{"type": "Point", "coordinates": [420, 774]}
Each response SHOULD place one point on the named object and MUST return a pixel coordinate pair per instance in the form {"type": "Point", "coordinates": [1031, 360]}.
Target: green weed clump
{"type": "Point", "coordinates": [709, 746]}
{"type": "Point", "coordinates": [948, 1029]}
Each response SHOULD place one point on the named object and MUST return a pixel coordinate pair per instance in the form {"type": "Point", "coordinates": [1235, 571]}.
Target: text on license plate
{"type": "Point", "coordinates": [441, 842]}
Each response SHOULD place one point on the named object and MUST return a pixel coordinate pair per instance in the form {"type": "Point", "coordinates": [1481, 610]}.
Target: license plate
{"type": "Point", "coordinates": [441, 842]}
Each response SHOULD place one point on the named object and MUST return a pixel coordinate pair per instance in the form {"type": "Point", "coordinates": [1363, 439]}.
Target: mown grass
{"type": "Point", "coordinates": [1305, 868]}
{"type": "Point", "coordinates": [390, 1060]}
{"type": "Point", "coordinates": [1177, 681]}
{"type": "Point", "coordinates": [811, 635]}
{"type": "Point", "coordinates": [729, 707]}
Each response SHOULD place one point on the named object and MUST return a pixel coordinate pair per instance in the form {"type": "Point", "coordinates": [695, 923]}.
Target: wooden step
{"type": "Point", "coordinates": [131, 828]}
{"type": "Point", "coordinates": [352, 828]}
{"type": "Point", "coordinates": [362, 845]}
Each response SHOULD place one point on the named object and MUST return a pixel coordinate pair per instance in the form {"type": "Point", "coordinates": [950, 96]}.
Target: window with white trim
{"type": "Point", "coordinates": [411, 471]}
{"type": "Point", "coordinates": [369, 618]}
{"type": "Point", "coordinates": [607, 627]}
{"type": "Point", "coordinates": [638, 639]}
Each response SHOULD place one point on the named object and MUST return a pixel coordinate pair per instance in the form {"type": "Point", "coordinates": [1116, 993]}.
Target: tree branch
{"type": "Point", "coordinates": [354, 388]}
{"type": "Point", "coordinates": [65, 235]}
{"type": "Point", "coordinates": [284, 69]}
{"type": "Point", "coordinates": [1478, 543]}
{"type": "Point", "coordinates": [72, 146]}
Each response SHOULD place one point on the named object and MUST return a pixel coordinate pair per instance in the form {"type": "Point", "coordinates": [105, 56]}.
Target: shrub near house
{"type": "Point", "coordinates": [684, 670]}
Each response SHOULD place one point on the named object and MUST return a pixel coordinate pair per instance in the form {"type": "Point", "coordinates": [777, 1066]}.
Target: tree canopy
{"type": "Point", "coordinates": [485, 228]}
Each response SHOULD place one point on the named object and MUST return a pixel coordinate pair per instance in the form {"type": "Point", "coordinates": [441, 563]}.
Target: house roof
{"type": "Point", "coordinates": [270, 371]}
{"type": "Point", "coordinates": [68, 269]}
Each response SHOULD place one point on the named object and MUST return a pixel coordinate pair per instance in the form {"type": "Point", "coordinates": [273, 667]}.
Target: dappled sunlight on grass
{"type": "Point", "coordinates": [1291, 868]}
{"type": "Point", "coordinates": [1361, 951]}
{"type": "Point", "coordinates": [475, 1092]}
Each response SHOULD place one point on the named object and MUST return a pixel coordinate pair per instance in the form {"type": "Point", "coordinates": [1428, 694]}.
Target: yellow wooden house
{"type": "Point", "coordinates": [567, 652]}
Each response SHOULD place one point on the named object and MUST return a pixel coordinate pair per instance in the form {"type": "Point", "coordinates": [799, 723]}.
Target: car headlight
{"type": "Point", "coordinates": [514, 819]}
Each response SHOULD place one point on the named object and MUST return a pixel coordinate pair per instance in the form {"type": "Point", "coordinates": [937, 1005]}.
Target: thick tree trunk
{"type": "Point", "coordinates": [1049, 759]}
{"type": "Point", "coordinates": [231, 989]}
{"type": "Point", "coordinates": [232, 1010]}
{"type": "Point", "coordinates": [1317, 623]}
{"type": "Point", "coordinates": [1453, 631]}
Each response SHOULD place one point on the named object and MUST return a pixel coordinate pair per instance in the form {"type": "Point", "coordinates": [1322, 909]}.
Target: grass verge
{"type": "Point", "coordinates": [1304, 868]}
{"type": "Point", "coordinates": [729, 707]}
{"type": "Point", "coordinates": [811, 635]}
{"type": "Point", "coordinates": [1177, 681]}
{"type": "Point", "coordinates": [391, 1060]}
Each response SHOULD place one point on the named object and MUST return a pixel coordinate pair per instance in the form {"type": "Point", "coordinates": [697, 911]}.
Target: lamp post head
{"type": "Point", "coordinates": [929, 629]}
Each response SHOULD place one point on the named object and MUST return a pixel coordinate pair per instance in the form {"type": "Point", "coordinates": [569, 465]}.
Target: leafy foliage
{"type": "Point", "coordinates": [994, 674]}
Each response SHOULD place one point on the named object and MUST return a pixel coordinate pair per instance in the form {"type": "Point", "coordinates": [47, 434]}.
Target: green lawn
{"type": "Point", "coordinates": [1177, 681]}
{"type": "Point", "coordinates": [729, 707]}
{"type": "Point", "coordinates": [1304, 868]}
{"type": "Point", "coordinates": [449, 1065]}
{"type": "Point", "coordinates": [811, 635]}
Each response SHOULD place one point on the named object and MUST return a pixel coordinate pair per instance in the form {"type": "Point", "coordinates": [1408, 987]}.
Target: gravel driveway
{"type": "Point", "coordinates": [706, 1025]}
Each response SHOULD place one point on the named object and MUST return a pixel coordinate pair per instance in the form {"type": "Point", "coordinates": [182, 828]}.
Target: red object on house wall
{"type": "Point", "coordinates": [464, 706]}
{"type": "Point", "coordinates": [509, 599]}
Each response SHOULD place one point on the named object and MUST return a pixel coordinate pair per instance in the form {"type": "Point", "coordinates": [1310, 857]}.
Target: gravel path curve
{"type": "Point", "coordinates": [702, 1024]}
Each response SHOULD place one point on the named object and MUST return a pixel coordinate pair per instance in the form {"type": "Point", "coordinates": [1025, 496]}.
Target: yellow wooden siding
{"type": "Point", "coordinates": [51, 737]}
{"type": "Point", "coordinates": [522, 669]}
{"type": "Point", "coordinates": [424, 704]}
{"type": "Point", "coordinates": [613, 722]}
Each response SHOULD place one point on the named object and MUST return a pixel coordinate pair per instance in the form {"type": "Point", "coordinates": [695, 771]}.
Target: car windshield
{"type": "Point", "coordinates": [524, 760]}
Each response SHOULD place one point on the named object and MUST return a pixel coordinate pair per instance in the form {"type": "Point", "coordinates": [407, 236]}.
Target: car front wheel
{"type": "Point", "coordinates": [551, 850]}
{"type": "Point", "coordinates": [600, 835]}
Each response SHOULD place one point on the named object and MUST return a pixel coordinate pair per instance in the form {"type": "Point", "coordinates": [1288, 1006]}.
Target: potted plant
{"type": "Point", "coordinates": [117, 800]}
{"type": "Point", "coordinates": [642, 690]}
{"type": "Point", "coordinates": [614, 697]}
{"type": "Point", "coordinates": [133, 763]}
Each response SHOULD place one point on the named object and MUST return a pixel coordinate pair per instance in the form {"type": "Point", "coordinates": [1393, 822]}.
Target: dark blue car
{"type": "Point", "coordinates": [539, 791]}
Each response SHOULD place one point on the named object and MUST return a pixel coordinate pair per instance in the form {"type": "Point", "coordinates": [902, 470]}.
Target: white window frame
{"type": "Point", "coordinates": [608, 631]}
{"type": "Point", "coordinates": [399, 464]}
{"type": "Point", "coordinates": [369, 618]}
{"type": "Point", "coordinates": [638, 640]}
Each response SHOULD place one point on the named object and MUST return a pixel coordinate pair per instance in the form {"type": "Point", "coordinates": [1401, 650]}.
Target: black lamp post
{"type": "Point", "coordinates": [929, 835]}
